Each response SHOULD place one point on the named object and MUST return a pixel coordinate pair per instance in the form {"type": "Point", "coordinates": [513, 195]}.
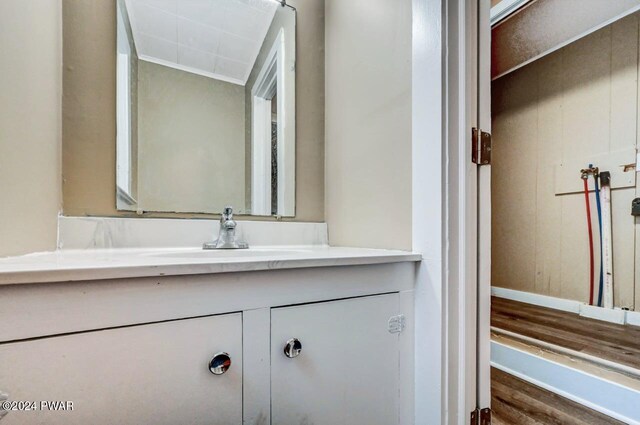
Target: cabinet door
{"type": "Point", "coordinates": [348, 369]}
{"type": "Point", "coordinates": [148, 374]}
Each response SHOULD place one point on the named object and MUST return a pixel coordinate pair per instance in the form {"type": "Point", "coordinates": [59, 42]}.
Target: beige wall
{"type": "Point", "coordinates": [310, 106]}
{"type": "Point", "coordinates": [191, 141]}
{"type": "Point", "coordinates": [89, 110]}
{"type": "Point", "coordinates": [30, 134]}
{"type": "Point", "coordinates": [577, 104]}
{"type": "Point", "coordinates": [368, 123]}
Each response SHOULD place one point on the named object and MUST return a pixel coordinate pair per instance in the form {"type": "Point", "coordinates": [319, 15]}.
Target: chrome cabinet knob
{"type": "Point", "coordinates": [292, 348]}
{"type": "Point", "coordinates": [220, 363]}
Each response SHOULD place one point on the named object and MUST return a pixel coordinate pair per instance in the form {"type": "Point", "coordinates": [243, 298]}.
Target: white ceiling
{"type": "Point", "coordinates": [215, 38]}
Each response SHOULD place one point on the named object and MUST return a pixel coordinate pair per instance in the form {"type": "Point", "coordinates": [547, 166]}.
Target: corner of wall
{"type": "Point", "coordinates": [30, 116]}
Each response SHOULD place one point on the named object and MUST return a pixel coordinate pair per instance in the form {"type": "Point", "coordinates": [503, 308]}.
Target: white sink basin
{"type": "Point", "coordinates": [228, 253]}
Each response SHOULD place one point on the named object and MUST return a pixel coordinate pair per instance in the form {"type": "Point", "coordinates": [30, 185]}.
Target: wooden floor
{"type": "Point", "coordinates": [516, 402]}
{"type": "Point", "coordinates": [618, 343]}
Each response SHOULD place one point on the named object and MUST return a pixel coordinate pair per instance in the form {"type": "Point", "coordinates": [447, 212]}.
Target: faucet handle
{"type": "Point", "coordinates": [227, 212]}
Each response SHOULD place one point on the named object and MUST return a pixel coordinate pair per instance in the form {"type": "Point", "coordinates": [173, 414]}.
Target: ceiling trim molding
{"type": "Point", "coordinates": [200, 72]}
{"type": "Point", "coordinates": [505, 8]}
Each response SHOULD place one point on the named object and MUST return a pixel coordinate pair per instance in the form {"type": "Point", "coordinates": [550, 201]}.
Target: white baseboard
{"type": "Point", "coordinates": [633, 318]}
{"type": "Point", "coordinates": [613, 316]}
{"type": "Point", "coordinates": [604, 314]}
{"type": "Point", "coordinates": [536, 299]}
{"type": "Point", "coordinates": [602, 395]}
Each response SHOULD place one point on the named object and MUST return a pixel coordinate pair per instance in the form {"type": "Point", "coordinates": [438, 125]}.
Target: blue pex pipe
{"type": "Point", "coordinates": [601, 283]}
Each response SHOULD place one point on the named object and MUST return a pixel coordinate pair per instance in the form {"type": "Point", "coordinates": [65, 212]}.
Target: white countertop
{"type": "Point", "coordinates": [83, 265]}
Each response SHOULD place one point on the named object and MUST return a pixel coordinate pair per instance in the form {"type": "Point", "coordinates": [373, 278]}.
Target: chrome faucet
{"type": "Point", "coordinates": [227, 235]}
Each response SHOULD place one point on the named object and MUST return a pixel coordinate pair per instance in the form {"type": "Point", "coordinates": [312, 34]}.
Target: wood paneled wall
{"type": "Point", "coordinates": [578, 103]}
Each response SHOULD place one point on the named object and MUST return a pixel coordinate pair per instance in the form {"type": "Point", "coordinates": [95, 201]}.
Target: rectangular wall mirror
{"type": "Point", "coordinates": [206, 106]}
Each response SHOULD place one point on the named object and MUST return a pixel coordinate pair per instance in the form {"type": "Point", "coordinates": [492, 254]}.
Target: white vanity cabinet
{"type": "Point", "coordinates": [346, 370]}
{"type": "Point", "coordinates": [137, 350]}
{"type": "Point", "coordinates": [147, 374]}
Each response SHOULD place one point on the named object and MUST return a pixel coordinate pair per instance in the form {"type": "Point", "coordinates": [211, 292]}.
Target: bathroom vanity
{"type": "Point", "coordinates": [173, 111]}
{"type": "Point", "coordinates": [134, 336]}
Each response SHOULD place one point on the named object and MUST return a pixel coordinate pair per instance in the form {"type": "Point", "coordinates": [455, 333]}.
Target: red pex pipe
{"type": "Point", "coordinates": [591, 266]}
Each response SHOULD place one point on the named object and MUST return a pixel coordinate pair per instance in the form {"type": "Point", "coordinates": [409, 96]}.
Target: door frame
{"type": "Point", "coordinates": [462, 203]}
{"type": "Point", "coordinates": [483, 371]}
{"type": "Point", "coordinates": [445, 108]}
{"type": "Point", "coordinates": [268, 84]}
{"type": "Point", "coordinates": [272, 80]}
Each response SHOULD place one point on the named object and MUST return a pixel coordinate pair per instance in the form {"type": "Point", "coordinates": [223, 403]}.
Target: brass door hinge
{"type": "Point", "coordinates": [485, 416]}
{"type": "Point", "coordinates": [481, 416]}
{"type": "Point", "coordinates": [480, 147]}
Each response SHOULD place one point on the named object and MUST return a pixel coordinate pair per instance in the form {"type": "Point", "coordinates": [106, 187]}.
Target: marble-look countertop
{"type": "Point", "coordinates": [96, 264]}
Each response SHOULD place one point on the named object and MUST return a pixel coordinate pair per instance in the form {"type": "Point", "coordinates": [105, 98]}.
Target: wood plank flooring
{"type": "Point", "coordinates": [516, 402]}
{"type": "Point", "coordinates": [618, 343]}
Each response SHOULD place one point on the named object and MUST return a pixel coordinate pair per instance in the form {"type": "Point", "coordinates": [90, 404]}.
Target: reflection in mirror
{"type": "Point", "coordinates": [206, 106]}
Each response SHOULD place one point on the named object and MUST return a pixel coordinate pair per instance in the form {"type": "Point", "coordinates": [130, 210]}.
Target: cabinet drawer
{"type": "Point", "coordinates": [347, 371]}
{"type": "Point", "coordinates": [148, 374]}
